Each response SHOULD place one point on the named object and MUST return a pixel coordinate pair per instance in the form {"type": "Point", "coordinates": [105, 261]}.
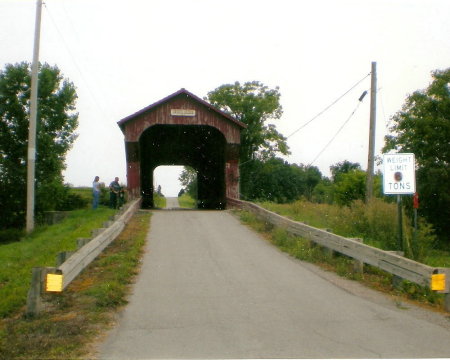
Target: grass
{"type": "Point", "coordinates": [306, 250]}
{"type": "Point", "coordinates": [40, 248]}
{"type": "Point", "coordinates": [84, 192]}
{"type": "Point", "coordinates": [187, 202]}
{"type": "Point", "coordinates": [375, 223]}
{"type": "Point", "coordinates": [84, 309]}
{"type": "Point", "coordinates": [159, 201]}
{"type": "Point", "coordinates": [438, 258]}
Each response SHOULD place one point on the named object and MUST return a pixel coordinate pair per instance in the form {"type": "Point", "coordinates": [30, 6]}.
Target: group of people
{"type": "Point", "coordinates": [116, 193]}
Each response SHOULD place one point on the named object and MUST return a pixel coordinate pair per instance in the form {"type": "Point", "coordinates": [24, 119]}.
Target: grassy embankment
{"type": "Point", "coordinates": [187, 202]}
{"type": "Point", "coordinates": [374, 224]}
{"type": "Point", "coordinates": [40, 249]}
{"type": "Point", "coordinates": [159, 201]}
{"type": "Point", "coordinates": [77, 314]}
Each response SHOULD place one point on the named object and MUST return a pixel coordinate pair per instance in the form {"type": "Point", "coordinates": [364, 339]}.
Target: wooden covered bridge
{"type": "Point", "coordinates": [183, 129]}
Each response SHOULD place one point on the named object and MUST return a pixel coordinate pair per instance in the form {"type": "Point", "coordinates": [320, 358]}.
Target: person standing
{"type": "Point", "coordinates": [114, 190]}
{"type": "Point", "coordinates": [96, 192]}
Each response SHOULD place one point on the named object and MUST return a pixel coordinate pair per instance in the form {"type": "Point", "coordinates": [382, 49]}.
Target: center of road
{"type": "Point", "coordinates": [210, 287]}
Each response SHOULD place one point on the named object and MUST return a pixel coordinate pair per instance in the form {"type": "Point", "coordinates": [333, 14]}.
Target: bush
{"type": "Point", "coordinates": [382, 224]}
{"type": "Point", "coordinates": [423, 241]}
{"type": "Point", "coordinates": [11, 235]}
{"type": "Point", "coordinates": [72, 202]}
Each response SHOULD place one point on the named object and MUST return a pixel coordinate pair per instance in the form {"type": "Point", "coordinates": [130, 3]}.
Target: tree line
{"type": "Point", "coordinates": [421, 127]}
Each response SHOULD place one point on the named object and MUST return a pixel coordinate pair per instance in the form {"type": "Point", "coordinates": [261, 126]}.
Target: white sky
{"type": "Point", "coordinates": [125, 55]}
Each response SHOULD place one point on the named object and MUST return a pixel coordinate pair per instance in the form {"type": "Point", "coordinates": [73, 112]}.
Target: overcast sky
{"type": "Point", "coordinates": [125, 55]}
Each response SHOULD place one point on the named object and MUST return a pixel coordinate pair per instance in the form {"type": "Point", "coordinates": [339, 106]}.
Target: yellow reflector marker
{"type": "Point", "coordinates": [438, 282]}
{"type": "Point", "coordinates": [54, 283]}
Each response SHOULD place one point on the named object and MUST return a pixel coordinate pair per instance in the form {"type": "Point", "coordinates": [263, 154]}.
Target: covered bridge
{"type": "Point", "coordinates": [183, 129]}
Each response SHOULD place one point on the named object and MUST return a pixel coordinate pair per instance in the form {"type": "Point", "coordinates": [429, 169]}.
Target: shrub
{"type": "Point", "coordinates": [423, 241]}
{"type": "Point", "coordinates": [381, 224]}
{"type": "Point", "coordinates": [11, 235]}
{"type": "Point", "coordinates": [72, 202]}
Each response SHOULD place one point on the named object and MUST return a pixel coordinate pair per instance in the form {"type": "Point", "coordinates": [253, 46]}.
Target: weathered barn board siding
{"type": "Point", "coordinates": [161, 116]}
{"type": "Point", "coordinates": [141, 131]}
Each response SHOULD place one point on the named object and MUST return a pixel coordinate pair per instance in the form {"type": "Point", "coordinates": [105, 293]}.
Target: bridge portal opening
{"type": "Point", "coordinates": [201, 147]}
{"type": "Point", "coordinates": [167, 177]}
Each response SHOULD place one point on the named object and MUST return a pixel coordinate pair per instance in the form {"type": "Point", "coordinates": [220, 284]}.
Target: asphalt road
{"type": "Point", "coordinates": [211, 288]}
{"type": "Point", "coordinates": [172, 203]}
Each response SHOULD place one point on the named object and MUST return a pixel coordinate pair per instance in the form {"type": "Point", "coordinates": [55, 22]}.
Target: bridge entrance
{"type": "Point", "coordinates": [182, 129]}
{"type": "Point", "coordinates": [200, 147]}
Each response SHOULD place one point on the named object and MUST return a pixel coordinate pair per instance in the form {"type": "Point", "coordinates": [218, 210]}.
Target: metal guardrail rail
{"type": "Point", "coordinates": [397, 265]}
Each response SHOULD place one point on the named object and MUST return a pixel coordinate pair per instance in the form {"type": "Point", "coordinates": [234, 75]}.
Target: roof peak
{"type": "Point", "coordinates": [177, 93]}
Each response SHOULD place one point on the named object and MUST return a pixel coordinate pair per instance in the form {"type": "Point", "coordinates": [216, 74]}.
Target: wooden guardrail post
{"type": "Point", "coordinates": [82, 241]}
{"type": "Point", "coordinates": [446, 291]}
{"type": "Point", "coordinates": [62, 257]}
{"type": "Point", "coordinates": [97, 232]}
{"type": "Point", "coordinates": [397, 280]}
{"type": "Point", "coordinates": [107, 224]}
{"type": "Point", "coordinates": [330, 253]}
{"type": "Point", "coordinates": [37, 289]}
{"type": "Point", "coordinates": [358, 265]}
{"type": "Point", "coordinates": [34, 300]}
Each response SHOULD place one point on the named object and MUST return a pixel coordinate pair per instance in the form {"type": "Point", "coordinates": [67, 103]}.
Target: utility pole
{"type": "Point", "coordinates": [373, 115]}
{"type": "Point", "coordinates": [31, 163]}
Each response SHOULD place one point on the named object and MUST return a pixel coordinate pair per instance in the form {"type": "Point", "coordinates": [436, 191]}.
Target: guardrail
{"type": "Point", "coordinates": [435, 278]}
{"type": "Point", "coordinates": [70, 264]}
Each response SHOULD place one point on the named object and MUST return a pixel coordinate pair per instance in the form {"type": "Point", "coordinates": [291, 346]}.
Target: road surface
{"type": "Point", "coordinates": [212, 288]}
{"type": "Point", "coordinates": [172, 203]}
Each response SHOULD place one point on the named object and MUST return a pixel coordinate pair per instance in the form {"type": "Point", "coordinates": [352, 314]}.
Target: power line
{"type": "Point", "coordinates": [93, 97]}
{"type": "Point", "coordinates": [329, 106]}
{"type": "Point", "coordinates": [324, 110]}
{"type": "Point", "coordinates": [337, 133]}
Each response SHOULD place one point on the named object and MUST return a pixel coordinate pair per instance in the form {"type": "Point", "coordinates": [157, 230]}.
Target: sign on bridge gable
{"type": "Point", "coordinates": [399, 176]}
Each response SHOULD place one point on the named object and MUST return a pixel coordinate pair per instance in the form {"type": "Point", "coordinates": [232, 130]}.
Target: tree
{"type": "Point", "coordinates": [313, 178]}
{"type": "Point", "coordinates": [254, 104]}
{"type": "Point", "coordinates": [349, 187]}
{"type": "Point", "coordinates": [188, 178]}
{"type": "Point", "coordinates": [422, 127]}
{"type": "Point", "coordinates": [343, 167]}
{"type": "Point", "coordinates": [276, 180]}
{"type": "Point", "coordinates": [56, 123]}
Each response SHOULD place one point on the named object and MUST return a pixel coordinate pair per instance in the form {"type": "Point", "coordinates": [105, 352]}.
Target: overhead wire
{"type": "Point", "coordinates": [324, 110]}
{"type": "Point", "coordinates": [340, 129]}
{"type": "Point", "coordinates": [329, 106]}
{"type": "Point", "coordinates": [93, 97]}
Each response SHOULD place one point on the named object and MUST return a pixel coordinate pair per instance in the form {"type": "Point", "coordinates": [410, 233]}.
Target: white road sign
{"type": "Point", "coordinates": [399, 176]}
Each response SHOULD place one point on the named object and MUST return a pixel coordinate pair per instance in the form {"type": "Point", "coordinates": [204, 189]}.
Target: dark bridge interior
{"type": "Point", "coordinates": [201, 147]}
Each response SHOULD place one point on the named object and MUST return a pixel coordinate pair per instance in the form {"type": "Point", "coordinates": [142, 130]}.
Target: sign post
{"type": "Point", "coordinates": [399, 178]}
{"type": "Point", "coordinates": [415, 206]}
